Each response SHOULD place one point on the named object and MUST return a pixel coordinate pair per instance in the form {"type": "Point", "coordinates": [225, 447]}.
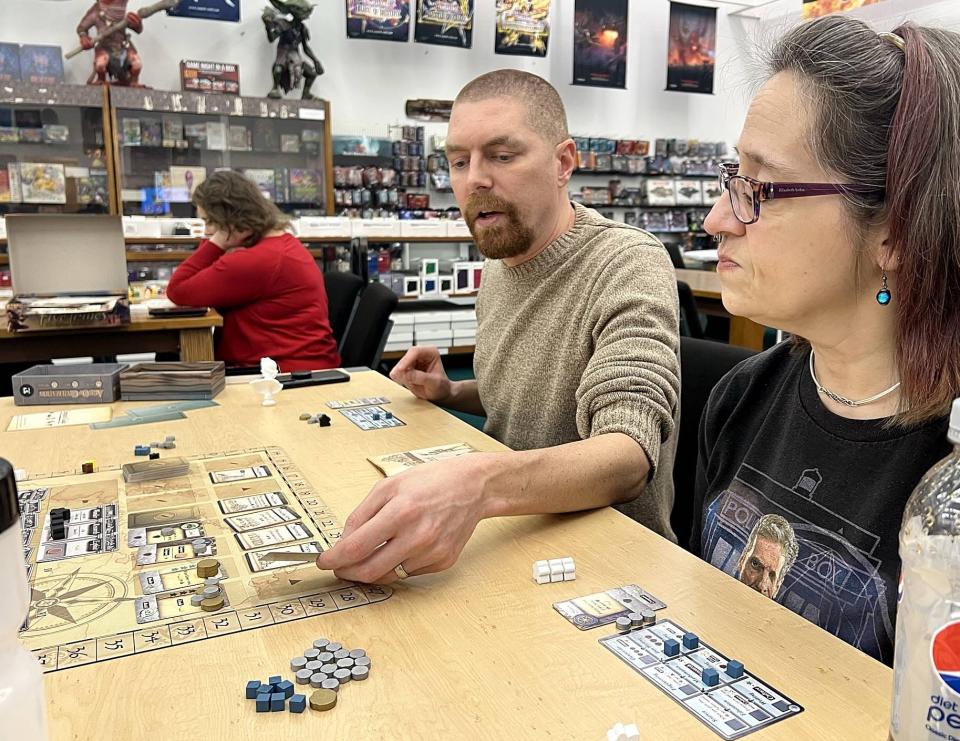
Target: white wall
{"type": "Point", "coordinates": [368, 82]}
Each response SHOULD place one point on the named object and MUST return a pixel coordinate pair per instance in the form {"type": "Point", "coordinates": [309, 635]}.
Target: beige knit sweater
{"type": "Point", "coordinates": [581, 341]}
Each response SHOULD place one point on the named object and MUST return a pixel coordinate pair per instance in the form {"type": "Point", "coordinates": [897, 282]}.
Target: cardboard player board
{"type": "Point", "coordinates": [371, 418]}
{"type": "Point", "coordinates": [120, 583]}
{"type": "Point", "coordinates": [732, 706]}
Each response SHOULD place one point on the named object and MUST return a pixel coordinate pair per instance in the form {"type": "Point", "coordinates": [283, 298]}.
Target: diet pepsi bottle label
{"type": "Point", "coordinates": [926, 685]}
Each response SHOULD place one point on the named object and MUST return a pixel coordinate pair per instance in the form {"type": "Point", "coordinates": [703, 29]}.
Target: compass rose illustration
{"type": "Point", "coordinates": [66, 600]}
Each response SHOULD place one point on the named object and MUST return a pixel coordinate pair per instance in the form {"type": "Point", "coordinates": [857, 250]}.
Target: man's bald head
{"type": "Point", "coordinates": [545, 111]}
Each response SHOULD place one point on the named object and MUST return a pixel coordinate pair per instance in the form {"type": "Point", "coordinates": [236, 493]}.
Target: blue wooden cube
{"type": "Point", "coordinates": [277, 701]}
{"type": "Point", "coordinates": [286, 688]}
{"type": "Point", "coordinates": [263, 703]}
{"type": "Point", "coordinates": [710, 676]}
{"type": "Point", "coordinates": [298, 703]}
{"type": "Point", "coordinates": [275, 680]}
{"type": "Point", "coordinates": [141, 450]}
{"type": "Point", "coordinates": [252, 686]}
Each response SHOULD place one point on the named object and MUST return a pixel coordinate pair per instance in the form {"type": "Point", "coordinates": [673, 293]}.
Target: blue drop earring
{"type": "Point", "coordinates": [884, 295]}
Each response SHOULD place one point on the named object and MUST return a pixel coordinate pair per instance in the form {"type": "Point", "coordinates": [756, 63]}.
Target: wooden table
{"type": "Point", "coordinates": [475, 652]}
{"type": "Point", "coordinates": [705, 285]}
{"type": "Point", "coordinates": [192, 337]}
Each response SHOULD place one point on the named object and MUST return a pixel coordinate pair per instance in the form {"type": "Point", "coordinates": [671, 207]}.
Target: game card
{"type": "Point", "coordinates": [68, 549]}
{"type": "Point", "coordinates": [257, 562]}
{"type": "Point", "coordinates": [29, 521]}
{"type": "Point", "coordinates": [163, 517]}
{"type": "Point", "coordinates": [63, 418]}
{"type": "Point", "coordinates": [239, 474]}
{"type": "Point", "coordinates": [246, 504]}
{"type": "Point", "coordinates": [136, 537]}
{"type": "Point", "coordinates": [177, 552]}
{"type": "Point", "coordinates": [74, 532]}
{"type": "Point", "coordinates": [394, 463]}
{"type": "Point", "coordinates": [173, 579]}
{"type": "Point", "coordinates": [273, 536]}
{"type": "Point", "coordinates": [29, 508]}
{"type": "Point", "coordinates": [78, 516]}
{"type": "Point", "coordinates": [604, 608]}
{"type": "Point", "coordinates": [366, 401]}
{"type": "Point", "coordinates": [263, 518]}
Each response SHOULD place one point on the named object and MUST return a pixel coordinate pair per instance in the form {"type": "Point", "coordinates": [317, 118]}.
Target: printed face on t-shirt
{"type": "Point", "coordinates": [762, 568]}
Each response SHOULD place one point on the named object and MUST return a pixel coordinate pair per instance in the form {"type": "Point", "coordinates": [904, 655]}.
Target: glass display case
{"type": "Point", "coordinates": [52, 153]}
{"type": "Point", "coordinates": [167, 143]}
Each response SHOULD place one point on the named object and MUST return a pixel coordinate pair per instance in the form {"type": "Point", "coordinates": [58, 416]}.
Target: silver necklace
{"type": "Point", "coordinates": [843, 399]}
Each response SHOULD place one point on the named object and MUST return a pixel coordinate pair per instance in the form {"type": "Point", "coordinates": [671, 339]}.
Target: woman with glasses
{"type": "Point", "coordinates": [841, 227]}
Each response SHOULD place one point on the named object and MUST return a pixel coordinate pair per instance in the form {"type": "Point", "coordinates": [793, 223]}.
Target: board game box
{"type": "Point", "coordinates": [81, 383]}
{"type": "Point", "coordinates": [42, 182]}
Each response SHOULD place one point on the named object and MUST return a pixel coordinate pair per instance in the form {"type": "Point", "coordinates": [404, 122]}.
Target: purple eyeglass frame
{"type": "Point", "coordinates": [766, 191]}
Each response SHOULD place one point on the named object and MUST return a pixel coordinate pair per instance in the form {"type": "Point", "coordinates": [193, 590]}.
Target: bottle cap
{"type": "Point", "coordinates": [953, 434]}
{"type": "Point", "coordinates": [9, 504]}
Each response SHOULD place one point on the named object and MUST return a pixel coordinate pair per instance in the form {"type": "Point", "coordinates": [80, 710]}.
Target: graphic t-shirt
{"type": "Point", "coordinates": [803, 505]}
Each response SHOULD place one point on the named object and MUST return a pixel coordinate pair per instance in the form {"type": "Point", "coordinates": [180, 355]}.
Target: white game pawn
{"type": "Point", "coordinates": [622, 732]}
{"type": "Point", "coordinates": [268, 385]}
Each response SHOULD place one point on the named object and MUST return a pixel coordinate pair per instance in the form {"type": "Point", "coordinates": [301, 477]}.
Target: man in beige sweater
{"type": "Point", "coordinates": [576, 358]}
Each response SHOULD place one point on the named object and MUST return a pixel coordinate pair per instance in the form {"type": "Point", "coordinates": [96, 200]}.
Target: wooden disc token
{"type": "Point", "coordinates": [323, 700]}
{"type": "Point", "coordinates": [208, 567]}
{"type": "Point", "coordinates": [212, 605]}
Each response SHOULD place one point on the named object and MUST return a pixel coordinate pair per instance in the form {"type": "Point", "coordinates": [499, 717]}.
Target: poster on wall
{"type": "Point", "coordinates": [445, 22]}
{"type": "Point", "coordinates": [523, 27]}
{"type": "Point", "coordinates": [9, 62]}
{"type": "Point", "coordinates": [600, 43]}
{"type": "Point", "coordinates": [692, 48]}
{"type": "Point", "coordinates": [817, 8]}
{"type": "Point", "coordinates": [41, 65]}
{"type": "Point", "coordinates": [387, 20]}
{"type": "Point", "coordinates": [211, 10]}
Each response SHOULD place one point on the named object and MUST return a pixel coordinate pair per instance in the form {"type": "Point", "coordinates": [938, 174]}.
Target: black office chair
{"type": "Point", "coordinates": [676, 257]}
{"type": "Point", "coordinates": [690, 323]}
{"type": "Point", "coordinates": [702, 364]}
{"type": "Point", "coordinates": [343, 294]}
{"type": "Point", "coordinates": [368, 331]}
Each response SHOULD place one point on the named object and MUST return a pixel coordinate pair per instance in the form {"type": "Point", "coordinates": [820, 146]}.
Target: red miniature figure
{"type": "Point", "coordinates": [115, 54]}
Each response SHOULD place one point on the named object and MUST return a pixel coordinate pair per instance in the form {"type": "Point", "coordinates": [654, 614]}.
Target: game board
{"type": "Point", "coordinates": [121, 582]}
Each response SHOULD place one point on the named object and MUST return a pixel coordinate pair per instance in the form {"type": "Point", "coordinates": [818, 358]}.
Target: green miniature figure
{"type": "Point", "coordinates": [289, 68]}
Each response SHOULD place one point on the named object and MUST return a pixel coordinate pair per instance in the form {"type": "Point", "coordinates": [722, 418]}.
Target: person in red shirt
{"type": "Point", "coordinates": [260, 278]}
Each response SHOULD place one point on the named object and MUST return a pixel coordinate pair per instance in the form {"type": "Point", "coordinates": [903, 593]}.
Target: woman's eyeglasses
{"type": "Point", "coordinates": [746, 194]}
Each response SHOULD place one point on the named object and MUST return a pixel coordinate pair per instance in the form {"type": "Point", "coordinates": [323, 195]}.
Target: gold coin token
{"type": "Point", "coordinates": [212, 604]}
{"type": "Point", "coordinates": [208, 567]}
{"type": "Point", "coordinates": [323, 700]}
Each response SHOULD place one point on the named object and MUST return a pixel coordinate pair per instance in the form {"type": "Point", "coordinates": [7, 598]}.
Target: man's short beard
{"type": "Point", "coordinates": [509, 238]}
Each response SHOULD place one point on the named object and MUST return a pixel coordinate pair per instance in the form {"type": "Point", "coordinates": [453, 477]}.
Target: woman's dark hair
{"type": "Point", "coordinates": [889, 117]}
{"type": "Point", "coordinates": [233, 202]}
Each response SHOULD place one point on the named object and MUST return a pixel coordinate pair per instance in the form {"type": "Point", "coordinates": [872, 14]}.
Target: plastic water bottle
{"type": "Point", "coordinates": [22, 706]}
{"type": "Point", "coordinates": [926, 664]}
